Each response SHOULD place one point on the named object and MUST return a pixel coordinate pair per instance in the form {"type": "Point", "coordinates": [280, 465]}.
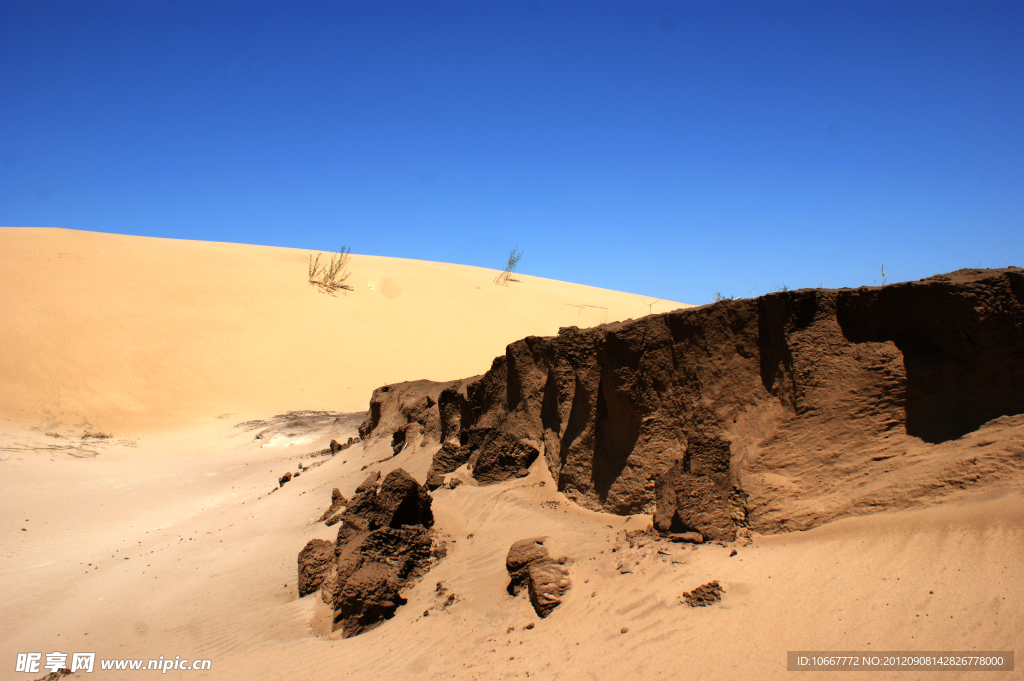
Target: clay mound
{"type": "Point", "coordinates": [775, 413]}
{"type": "Point", "coordinates": [383, 543]}
{"type": "Point", "coordinates": [405, 411]}
{"type": "Point", "coordinates": [400, 501]}
{"type": "Point", "coordinates": [371, 571]}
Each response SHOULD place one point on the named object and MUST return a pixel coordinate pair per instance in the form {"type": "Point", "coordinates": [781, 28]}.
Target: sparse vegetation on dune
{"type": "Point", "coordinates": [506, 275]}
{"type": "Point", "coordinates": [330, 277]}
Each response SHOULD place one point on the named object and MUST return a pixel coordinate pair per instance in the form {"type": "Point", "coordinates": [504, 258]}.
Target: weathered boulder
{"type": "Point", "coordinates": [403, 501]}
{"type": "Point", "coordinates": [548, 581]}
{"type": "Point", "coordinates": [529, 565]}
{"type": "Point", "coordinates": [400, 501]}
{"type": "Point", "coordinates": [315, 561]}
{"type": "Point", "coordinates": [363, 504]}
{"type": "Point", "coordinates": [520, 555]}
{"type": "Point", "coordinates": [434, 480]}
{"type": "Point", "coordinates": [283, 479]}
{"type": "Point", "coordinates": [366, 598]}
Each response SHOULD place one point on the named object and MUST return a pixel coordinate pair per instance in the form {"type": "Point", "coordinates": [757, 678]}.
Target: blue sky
{"type": "Point", "coordinates": [667, 149]}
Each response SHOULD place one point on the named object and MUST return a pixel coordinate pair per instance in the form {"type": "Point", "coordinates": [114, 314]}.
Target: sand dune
{"type": "Point", "coordinates": [123, 333]}
{"type": "Point", "coordinates": [173, 538]}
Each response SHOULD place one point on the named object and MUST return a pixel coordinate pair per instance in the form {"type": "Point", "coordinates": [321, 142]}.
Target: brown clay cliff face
{"type": "Point", "coordinates": [415, 411]}
{"type": "Point", "coordinates": [773, 413]}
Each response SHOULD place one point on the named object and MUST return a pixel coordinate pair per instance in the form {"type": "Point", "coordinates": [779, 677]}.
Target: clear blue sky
{"type": "Point", "coordinates": [667, 149]}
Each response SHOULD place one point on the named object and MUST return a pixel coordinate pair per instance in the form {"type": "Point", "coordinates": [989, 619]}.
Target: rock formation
{"type": "Point", "coordinates": [315, 561]}
{"type": "Point", "coordinates": [400, 501]}
{"type": "Point", "coordinates": [407, 411]}
{"type": "Point", "coordinates": [691, 503]}
{"type": "Point", "coordinates": [449, 457]}
{"type": "Point", "coordinates": [774, 414]}
{"type": "Point", "coordinates": [704, 595]}
{"type": "Point", "coordinates": [333, 515]}
{"type": "Point", "coordinates": [434, 480]}
{"type": "Point", "coordinates": [383, 543]}
{"type": "Point", "coordinates": [336, 446]}
{"type": "Point", "coordinates": [529, 565]}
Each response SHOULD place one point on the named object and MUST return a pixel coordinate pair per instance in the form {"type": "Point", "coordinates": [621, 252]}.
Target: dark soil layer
{"type": "Point", "coordinates": [779, 412]}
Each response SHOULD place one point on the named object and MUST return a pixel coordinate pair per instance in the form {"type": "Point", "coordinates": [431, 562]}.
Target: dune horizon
{"type": "Point", "coordinates": [106, 332]}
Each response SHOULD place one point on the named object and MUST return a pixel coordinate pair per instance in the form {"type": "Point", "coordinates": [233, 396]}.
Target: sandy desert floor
{"type": "Point", "coordinates": [171, 538]}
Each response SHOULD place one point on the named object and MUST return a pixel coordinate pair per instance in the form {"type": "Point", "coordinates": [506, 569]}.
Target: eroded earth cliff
{"type": "Point", "coordinates": [771, 414]}
{"type": "Point", "coordinates": [775, 413]}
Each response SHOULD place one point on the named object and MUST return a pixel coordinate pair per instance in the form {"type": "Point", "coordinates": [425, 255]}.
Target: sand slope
{"type": "Point", "coordinates": [123, 333]}
{"type": "Point", "coordinates": [179, 547]}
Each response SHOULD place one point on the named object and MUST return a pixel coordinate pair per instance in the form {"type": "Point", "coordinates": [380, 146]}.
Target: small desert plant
{"type": "Point", "coordinates": [650, 305]}
{"type": "Point", "coordinates": [718, 297]}
{"type": "Point", "coordinates": [506, 274]}
{"type": "Point", "coordinates": [330, 277]}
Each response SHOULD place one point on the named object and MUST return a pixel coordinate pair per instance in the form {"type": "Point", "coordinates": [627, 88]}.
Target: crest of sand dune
{"type": "Point", "coordinates": [122, 333]}
{"type": "Point", "coordinates": [174, 538]}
